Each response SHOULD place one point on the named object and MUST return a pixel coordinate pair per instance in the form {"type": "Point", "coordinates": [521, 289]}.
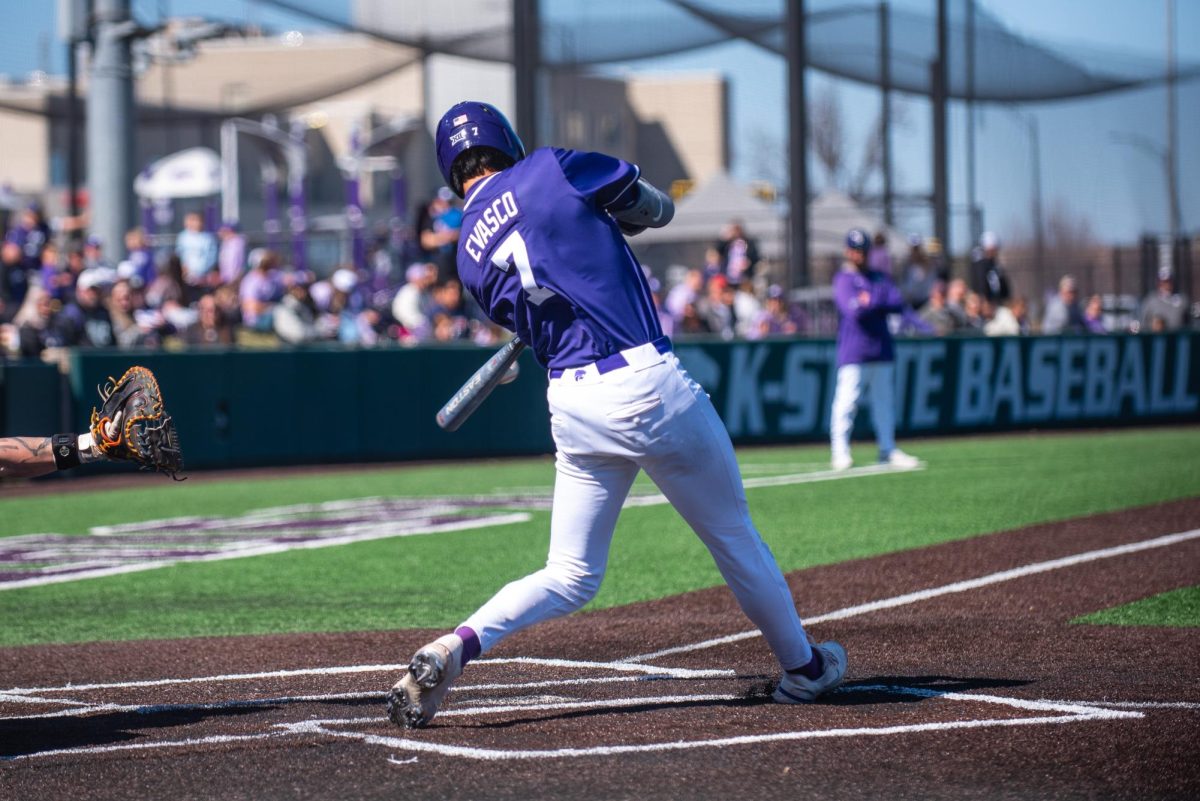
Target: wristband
{"type": "Point", "coordinates": [66, 451]}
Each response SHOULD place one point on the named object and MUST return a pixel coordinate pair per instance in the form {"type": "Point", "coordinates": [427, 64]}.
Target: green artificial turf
{"type": "Point", "coordinates": [1178, 609]}
{"type": "Point", "coordinates": [971, 487]}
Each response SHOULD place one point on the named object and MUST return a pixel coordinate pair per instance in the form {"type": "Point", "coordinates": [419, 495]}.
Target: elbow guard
{"type": "Point", "coordinates": [652, 209]}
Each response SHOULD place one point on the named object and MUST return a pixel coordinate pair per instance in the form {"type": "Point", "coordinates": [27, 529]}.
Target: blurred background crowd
{"type": "Point", "coordinates": [209, 288]}
{"type": "Point", "coordinates": [205, 287]}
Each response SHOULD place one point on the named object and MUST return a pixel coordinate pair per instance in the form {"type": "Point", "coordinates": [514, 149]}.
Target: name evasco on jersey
{"type": "Point", "coordinates": [498, 212]}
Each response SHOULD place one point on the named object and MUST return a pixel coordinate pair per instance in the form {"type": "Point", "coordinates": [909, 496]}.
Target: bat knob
{"type": "Point", "coordinates": [510, 375]}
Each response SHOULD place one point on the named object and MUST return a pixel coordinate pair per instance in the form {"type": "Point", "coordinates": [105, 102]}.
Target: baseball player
{"type": "Point", "coordinates": [130, 425]}
{"type": "Point", "coordinates": [865, 353]}
{"type": "Point", "coordinates": [27, 457]}
{"type": "Point", "coordinates": [542, 251]}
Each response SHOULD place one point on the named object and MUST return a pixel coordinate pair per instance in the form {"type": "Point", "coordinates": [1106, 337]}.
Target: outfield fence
{"type": "Point", "coordinates": [320, 405]}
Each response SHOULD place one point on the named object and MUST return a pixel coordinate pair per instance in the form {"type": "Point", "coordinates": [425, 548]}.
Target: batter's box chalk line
{"type": "Point", "coordinates": [634, 668]}
{"type": "Point", "coordinates": [1042, 713]}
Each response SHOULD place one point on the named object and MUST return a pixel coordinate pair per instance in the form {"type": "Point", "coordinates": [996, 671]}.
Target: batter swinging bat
{"type": "Point", "coordinates": [500, 369]}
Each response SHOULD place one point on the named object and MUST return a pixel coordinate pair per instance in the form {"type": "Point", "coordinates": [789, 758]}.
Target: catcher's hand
{"type": "Point", "coordinates": [131, 424]}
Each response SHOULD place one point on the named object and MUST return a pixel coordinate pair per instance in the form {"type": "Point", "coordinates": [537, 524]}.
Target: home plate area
{"type": "Point", "coordinates": [506, 709]}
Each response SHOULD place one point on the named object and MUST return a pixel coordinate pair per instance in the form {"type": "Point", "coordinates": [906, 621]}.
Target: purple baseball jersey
{"type": "Point", "coordinates": [863, 334]}
{"type": "Point", "coordinates": [541, 254]}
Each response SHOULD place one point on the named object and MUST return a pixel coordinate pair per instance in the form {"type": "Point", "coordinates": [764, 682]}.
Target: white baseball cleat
{"type": "Point", "coordinates": [842, 461]}
{"type": "Point", "coordinates": [796, 689]}
{"type": "Point", "coordinates": [898, 458]}
{"type": "Point", "coordinates": [414, 700]}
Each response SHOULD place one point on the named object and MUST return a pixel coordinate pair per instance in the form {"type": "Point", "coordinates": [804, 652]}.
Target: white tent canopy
{"type": "Point", "coordinates": [195, 172]}
{"type": "Point", "coordinates": [702, 214]}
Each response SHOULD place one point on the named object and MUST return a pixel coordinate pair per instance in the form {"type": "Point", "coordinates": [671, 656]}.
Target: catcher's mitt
{"type": "Point", "coordinates": [132, 425]}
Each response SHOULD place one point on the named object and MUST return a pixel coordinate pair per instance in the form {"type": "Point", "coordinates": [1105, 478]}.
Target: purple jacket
{"type": "Point", "coordinates": [863, 334]}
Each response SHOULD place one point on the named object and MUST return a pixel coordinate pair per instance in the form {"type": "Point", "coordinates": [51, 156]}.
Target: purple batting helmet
{"type": "Point", "coordinates": [473, 124]}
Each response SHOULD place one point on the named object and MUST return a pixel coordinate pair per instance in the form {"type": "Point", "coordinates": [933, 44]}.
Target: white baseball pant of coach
{"type": "Point", "coordinates": [649, 415]}
{"type": "Point", "coordinates": [878, 378]}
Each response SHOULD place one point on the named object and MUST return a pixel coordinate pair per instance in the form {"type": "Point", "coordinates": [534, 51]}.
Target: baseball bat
{"type": "Point", "coordinates": [464, 402]}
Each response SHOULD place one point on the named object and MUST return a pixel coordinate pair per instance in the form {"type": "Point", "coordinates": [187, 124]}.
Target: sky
{"type": "Point", "coordinates": [1088, 166]}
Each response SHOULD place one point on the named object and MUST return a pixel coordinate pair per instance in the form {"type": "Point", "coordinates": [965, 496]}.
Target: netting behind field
{"type": "Point", "coordinates": [843, 40]}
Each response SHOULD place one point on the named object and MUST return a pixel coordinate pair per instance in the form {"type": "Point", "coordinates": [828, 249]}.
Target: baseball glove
{"type": "Point", "coordinates": [131, 424]}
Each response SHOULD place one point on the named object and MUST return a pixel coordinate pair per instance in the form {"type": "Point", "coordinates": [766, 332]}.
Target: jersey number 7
{"type": "Point", "coordinates": [512, 252]}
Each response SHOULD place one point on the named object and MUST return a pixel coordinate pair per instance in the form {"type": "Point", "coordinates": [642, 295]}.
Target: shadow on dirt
{"type": "Point", "coordinates": [872, 690]}
{"type": "Point", "coordinates": [38, 735]}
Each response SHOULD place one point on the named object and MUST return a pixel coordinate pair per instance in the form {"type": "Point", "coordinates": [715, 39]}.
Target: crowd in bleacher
{"type": "Point", "coordinates": [210, 288]}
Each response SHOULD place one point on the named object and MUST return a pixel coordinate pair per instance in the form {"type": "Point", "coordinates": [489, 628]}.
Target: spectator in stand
{"type": "Point", "coordinates": [1009, 320]}
{"type": "Point", "coordinates": [138, 267]}
{"type": "Point", "coordinates": [123, 302]}
{"type": "Point", "coordinates": [956, 301]}
{"type": "Point", "coordinates": [1063, 315]}
{"type": "Point", "coordinates": [973, 314]}
{"type": "Point", "coordinates": [448, 313]}
{"type": "Point", "coordinates": [1093, 316]}
{"type": "Point", "coordinates": [31, 233]}
{"type": "Point", "coordinates": [438, 227]}
{"type": "Point", "coordinates": [717, 308]}
{"type": "Point", "coordinates": [1165, 304]}
{"type": "Point", "coordinates": [14, 274]}
{"type": "Point", "coordinates": [197, 249]}
{"type": "Point", "coordinates": [211, 326]}
{"type": "Point", "coordinates": [230, 304]}
{"type": "Point", "coordinates": [689, 290]}
{"type": "Point", "coordinates": [56, 278]}
{"type": "Point", "coordinates": [937, 260]}
{"type": "Point", "coordinates": [988, 276]}
{"type": "Point", "coordinates": [880, 258]}
{"type": "Point", "coordinates": [778, 317]}
{"type": "Point", "coordinates": [712, 264]}
{"type": "Point", "coordinates": [917, 280]}
{"type": "Point", "coordinates": [692, 322]}
{"type": "Point", "coordinates": [665, 319]}
{"type": "Point", "coordinates": [295, 317]}
{"type": "Point", "coordinates": [93, 254]}
{"type": "Point", "coordinates": [259, 291]}
{"type": "Point", "coordinates": [936, 314]}
{"type": "Point", "coordinates": [86, 321]}
{"type": "Point", "coordinates": [865, 354]}
{"type": "Point", "coordinates": [168, 286]}
{"type": "Point", "coordinates": [35, 326]}
{"type": "Point", "coordinates": [231, 253]}
{"type": "Point", "coordinates": [737, 253]}
{"type": "Point", "coordinates": [746, 309]}
{"type": "Point", "coordinates": [411, 305]}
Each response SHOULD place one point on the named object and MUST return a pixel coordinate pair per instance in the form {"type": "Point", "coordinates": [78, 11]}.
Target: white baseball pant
{"type": "Point", "coordinates": [650, 415]}
{"type": "Point", "coordinates": [879, 379]}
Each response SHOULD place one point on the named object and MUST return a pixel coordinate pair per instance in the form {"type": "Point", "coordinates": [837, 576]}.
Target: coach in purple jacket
{"type": "Point", "coordinates": [865, 354]}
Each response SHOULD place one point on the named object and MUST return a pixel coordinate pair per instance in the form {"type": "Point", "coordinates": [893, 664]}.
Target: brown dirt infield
{"type": "Point", "coordinates": [937, 703]}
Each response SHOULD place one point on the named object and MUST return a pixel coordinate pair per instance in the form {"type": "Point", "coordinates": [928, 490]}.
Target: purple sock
{"type": "Point", "coordinates": [811, 671]}
{"type": "Point", "coordinates": [471, 646]}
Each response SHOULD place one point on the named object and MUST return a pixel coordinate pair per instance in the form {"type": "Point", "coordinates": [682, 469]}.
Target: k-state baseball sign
{"type": "Point", "coordinates": [780, 390]}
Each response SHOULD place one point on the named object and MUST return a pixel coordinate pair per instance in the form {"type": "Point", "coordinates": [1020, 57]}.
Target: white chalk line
{"type": "Point", "coordinates": [1072, 711]}
{"type": "Point", "coordinates": [373, 531]}
{"type": "Point", "coordinates": [1066, 712]}
{"type": "Point", "coordinates": [945, 589]}
{"type": "Point", "coordinates": [653, 671]}
{"type": "Point", "coordinates": [815, 477]}
{"type": "Point", "coordinates": [364, 532]}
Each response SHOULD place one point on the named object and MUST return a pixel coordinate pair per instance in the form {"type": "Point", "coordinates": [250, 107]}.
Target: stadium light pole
{"type": "Point", "coordinates": [939, 79]}
{"type": "Point", "coordinates": [797, 57]}
{"type": "Point", "coordinates": [526, 60]}
{"type": "Point", "coordinates": [110, 124]}
{"type": "Point", "coordinates": [885, 112]}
